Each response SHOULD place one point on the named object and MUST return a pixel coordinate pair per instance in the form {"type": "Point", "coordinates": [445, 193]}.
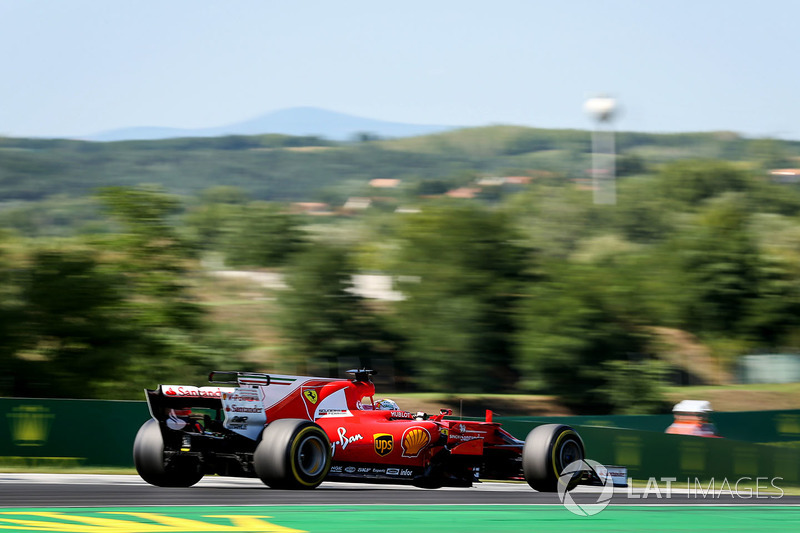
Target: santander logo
{"type": "Point", "coordinates": [201, 392]}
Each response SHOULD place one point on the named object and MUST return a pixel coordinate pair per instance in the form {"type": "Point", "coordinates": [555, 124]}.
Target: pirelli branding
{"type": "Point", "coordinates": [384, 443]}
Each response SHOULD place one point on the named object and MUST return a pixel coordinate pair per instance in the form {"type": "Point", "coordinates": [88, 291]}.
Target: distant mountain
{"type": "Point", "coordinates": [293, 121]}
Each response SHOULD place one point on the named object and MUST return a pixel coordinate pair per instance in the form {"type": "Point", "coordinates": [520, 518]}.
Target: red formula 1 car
{"type": "Point", "coordinates": [294, 432]}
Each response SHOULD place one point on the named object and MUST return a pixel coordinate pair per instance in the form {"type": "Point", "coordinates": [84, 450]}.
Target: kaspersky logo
{"type": "Point", "coordinates": [30, 425]}
{"type": "Point", "coordinates": [384, 443]}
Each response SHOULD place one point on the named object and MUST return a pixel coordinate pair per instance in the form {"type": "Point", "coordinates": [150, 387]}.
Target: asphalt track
{"type": "Point", "coordinates": [125, 504]}
{"type": "Point", "coordinates": [50, 490]}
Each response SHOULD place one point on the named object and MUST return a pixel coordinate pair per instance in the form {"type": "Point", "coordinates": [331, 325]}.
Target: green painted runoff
{"type": "Point", "coordinates": [397, 518]}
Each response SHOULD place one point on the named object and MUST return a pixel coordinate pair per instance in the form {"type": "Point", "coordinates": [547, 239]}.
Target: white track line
{"type": "Point", "coordinates": [635, 494]}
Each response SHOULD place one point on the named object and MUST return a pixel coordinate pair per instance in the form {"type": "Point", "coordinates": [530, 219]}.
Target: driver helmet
{"type": "Point", "coordinates": [386, 405]}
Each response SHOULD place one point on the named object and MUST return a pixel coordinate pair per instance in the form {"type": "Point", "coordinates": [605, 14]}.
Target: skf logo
{"type": "Point", "coordinates": [414, 440]}
{"type": "Point", "coordinates": [384, 444]}
{"type": "Point", "coordinates": [311, 395]}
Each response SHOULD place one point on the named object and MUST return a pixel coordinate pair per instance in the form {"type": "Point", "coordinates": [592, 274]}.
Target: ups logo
{"type": "Point", "coordinates": [384, 444]}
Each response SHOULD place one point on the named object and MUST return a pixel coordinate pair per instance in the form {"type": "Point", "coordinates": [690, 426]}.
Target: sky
{"type": "Point", "coordinates": [77, 67]}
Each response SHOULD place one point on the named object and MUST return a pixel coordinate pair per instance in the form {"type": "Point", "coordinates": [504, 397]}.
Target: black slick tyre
{"type": "Point", "coordinates": [148, 457]}
{"type": "Point", "coordinates": [292, 454]}
{"type": "Point", "coordinates": [548, 450]}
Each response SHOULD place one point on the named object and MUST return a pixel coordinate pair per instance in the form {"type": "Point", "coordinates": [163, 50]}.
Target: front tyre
{"type": "Point", "coordinates": [292, 454]}
{"type": "Point", "coordinates": [548, 450]}
{"type": "Point", "coordinates": [148, 457]}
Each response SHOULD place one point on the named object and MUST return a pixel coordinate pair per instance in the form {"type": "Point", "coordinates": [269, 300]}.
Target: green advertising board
{"type": "Point", "coordinates": [37, 432]}
{"type": "Point", "coordinates": [654, 454]}
{"type": "Point", "coordinates": [97, 433]}
{"type": "Point", "coordinates": [748, 426]}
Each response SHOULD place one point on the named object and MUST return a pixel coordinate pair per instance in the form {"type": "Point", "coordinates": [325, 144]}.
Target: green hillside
{"type": "Point", "coordinates": [515, 278]}
{"type": "Point", "coordinates": [275, 167]}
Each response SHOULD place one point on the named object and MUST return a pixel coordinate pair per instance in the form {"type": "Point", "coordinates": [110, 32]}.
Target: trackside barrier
{"type": "Point", "coordinates": [48, 432]}
{"type": "Point", "coordinates": [749, 426]}
{"type": "Point", "coordinates": [655, 454]}
{"type": "Point", "coordinates": [65, 433]}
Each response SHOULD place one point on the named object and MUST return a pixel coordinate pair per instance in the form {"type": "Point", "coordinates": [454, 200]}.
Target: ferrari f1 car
{"type": "Point", "coordinates": [294, 432]}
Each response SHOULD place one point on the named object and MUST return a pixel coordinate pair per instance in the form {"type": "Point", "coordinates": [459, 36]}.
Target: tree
{"type": "Point", "coordinates": [261, 234]}
{"type": "Point", "coordinates": [640, 213]}
{"type": "Point", "coordinates": [156, 258]}
{"type": "Point", "coordinates": [321, 317]}
{"type": "Point", "coordinates": [630, 165]}
{"type": "Point", "coordinates": [569, 330]}
{"type": "Point", "coordinates": [206, 221]}
{"type": "Point", "coordinates": [634, 387]}
{"type": "Point", "coordinates": [76, 327]}
{"type": "Point", "coordinates": [719, 263]}
{"type": "Point", "coordinates": [775, 315]}
{"type": "Point", "coordinates": [769, 153]}
{"type": "Point", "coordinates": [691, 182]}
{"type": "Point", "coordinates": [172, 339]}
{"type": "Point", "coordinates": [10, 324]}
{"type": "Point", "coordinates": [554, 219]}
{"type": "Point", "coordinates": [460, 270]}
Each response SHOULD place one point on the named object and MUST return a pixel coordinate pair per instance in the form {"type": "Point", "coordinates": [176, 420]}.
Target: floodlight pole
{"type": "Point", "coordinates": [603, 150]}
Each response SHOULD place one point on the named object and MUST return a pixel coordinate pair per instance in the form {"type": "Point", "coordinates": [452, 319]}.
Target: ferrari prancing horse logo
{"type": "Point", "coordinates": [311, 395]}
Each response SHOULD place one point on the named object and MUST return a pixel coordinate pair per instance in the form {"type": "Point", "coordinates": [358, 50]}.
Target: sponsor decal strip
{"type": "Point", "coordinates": [372, 471]}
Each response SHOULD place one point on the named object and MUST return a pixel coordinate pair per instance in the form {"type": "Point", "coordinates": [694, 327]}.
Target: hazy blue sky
{"type": "Point", "coordinates": [76, 67]}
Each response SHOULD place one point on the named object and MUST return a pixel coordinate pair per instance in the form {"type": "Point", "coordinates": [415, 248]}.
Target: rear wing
{"type": "Point", "coordinates": [242, 379]}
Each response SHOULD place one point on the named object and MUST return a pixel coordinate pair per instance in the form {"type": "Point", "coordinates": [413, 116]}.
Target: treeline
{"type": "Point", "coordinates": [101, 317]}
{"type": "Point", "coordinates": [549, 293]}
{"type": "Point", "coordinates": [523, 289]}
{"type": "Point", "coordinates": [286, 168]}
{"type": "Point", "coordinates": [541, 291]}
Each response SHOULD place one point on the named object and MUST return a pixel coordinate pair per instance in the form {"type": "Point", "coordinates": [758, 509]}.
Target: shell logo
{"type": "Point", "coordinates": [414, 440]}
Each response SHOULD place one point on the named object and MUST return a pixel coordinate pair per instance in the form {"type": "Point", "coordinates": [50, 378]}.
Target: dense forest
{"type": "Point", "coordinates": [519, 285]}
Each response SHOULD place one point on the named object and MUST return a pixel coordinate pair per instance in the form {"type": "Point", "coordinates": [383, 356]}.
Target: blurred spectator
{"type": "Point", "coordinates": [691, 418]}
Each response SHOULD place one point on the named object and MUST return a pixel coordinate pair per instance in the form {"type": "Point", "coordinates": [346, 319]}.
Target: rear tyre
{"type": "Point", "coordinates": [548, 450]}
{"type": "Point", "coordinates": [292, 454]}
{"type": "Point", "coordinates": [148, 457]}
